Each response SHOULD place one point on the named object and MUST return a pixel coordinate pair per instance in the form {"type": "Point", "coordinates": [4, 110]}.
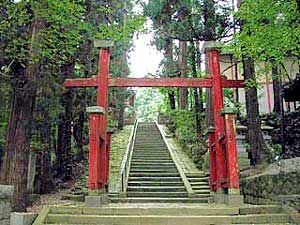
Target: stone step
{"type": "Point", "coordinates": [169, 160]}
{"type": "Point", "coordinates": [166, 219]}
{"type": "Point", "coordinates": [157, 144]}
{"type": "Point", "coordinates": [267, 209]}
{"type": "Point", "coordinates": [204, 182]}
{"type": "Point", "coordinates": [200, 187]}
{"type": "Point", "coordinates": [156, 188]}
{"type": "Point", "coordinates": [149, 210]}
{"type": "Point", "coordinates": [151, 151]}
{"type": "Point", "coordinates": [174, 194]}
{"type": "Point", "coordinates": [199, 179]}
{"type": "Point", "coordinates": [153, 170]}
{"type": "Point", "coordinates": [152, 164]}
{"type": "Point", "coordinates": [160, 200]}
{"type": "Point", "coordinates": [154, 175]}
{"type": "Point", "coordinates": [152, 158]}
{"type": "Point", "coordinates": [155, 183]}
{"type": "Point", "coordinates": [195, 175]}
{"type": "Point", "coordinates": [153, 155]}
{"type": "Point", "coordinates": [154, 178]}
{"type": "Point", "coordinates": [203, 191]}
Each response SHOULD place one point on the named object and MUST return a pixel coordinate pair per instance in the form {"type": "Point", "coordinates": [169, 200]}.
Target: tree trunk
{"type": "Point", "coordinates": [78, 135]}
{"type": "Point", "coordinates": [182, 63]}
{"type": "Point", "coordinates": [276, 91]}
{"type": "Point", "coordinates": [170, 70]}
{"type": "Point", "coordinates": [64, 156]}
{"type": "Point", "coordinates": [47, 184]}
{"type": "Point", "coordinates": [15, 164]}
{"type": "Point", "coordinates": [198, 108]}
{"type": "Point", "coordinates": [255, 137]}
{"type": "Point", "coordinates": [209, 30]}
{"type": "Point", "coordinates": [121, 115]}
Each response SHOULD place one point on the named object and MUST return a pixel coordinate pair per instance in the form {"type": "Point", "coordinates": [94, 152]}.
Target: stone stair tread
{"type": "Point", "coordinates": [156, 177]}
{"type": "Point", "coordinates": [145, 171]}
{"type": "Point", "coordinates": [155, 187]}
{"type": "Point", "coordinates": [136, 174]}
{"type": "Point", "coordinates": [200, 187]}
{"type": "Point", "coordinates": [155, 183]}
{"type": "Point", "coordinates": [145, 210]}
{"type": "Point", "coordinates": [168, 219]}
{"type": "Point", "coordinates": [197, 179]}
{"type": "Point", "coordinates": [160, 200]}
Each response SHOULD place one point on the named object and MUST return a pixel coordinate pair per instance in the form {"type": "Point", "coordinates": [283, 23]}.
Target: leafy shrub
{"type": "Point", "coordinates": [183, 124]}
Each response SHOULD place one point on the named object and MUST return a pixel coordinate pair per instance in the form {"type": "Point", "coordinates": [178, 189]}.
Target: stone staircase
{"type": "Point", "coordinates": [156, 188]}
{"type": "Point", "coordinates": [171, 214]}
{"type": "Point", "coordinates": [153, 175]}
{"type": "Point", "coordinates": [199, 183]}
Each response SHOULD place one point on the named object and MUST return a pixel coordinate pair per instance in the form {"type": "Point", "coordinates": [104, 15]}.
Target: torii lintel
{"type": "Point", "coordinates": [153, 82]}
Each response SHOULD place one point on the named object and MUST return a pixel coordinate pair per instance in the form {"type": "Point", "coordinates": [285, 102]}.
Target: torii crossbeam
{"type": "Point", "coordinates": [222, 143]}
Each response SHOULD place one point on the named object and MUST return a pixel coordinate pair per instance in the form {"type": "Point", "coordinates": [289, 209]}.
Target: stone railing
{"type": "Point", "coordinates": [6, 194]}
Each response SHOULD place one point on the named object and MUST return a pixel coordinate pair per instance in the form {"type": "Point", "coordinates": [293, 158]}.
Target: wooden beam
{"type": "Point", "coordinates": [233, 83]}
{"type": "Point", "coordinates": [159, 82]}
{"type": "Point", "coordinates": [153, 82]}
{"type": "Point", "coordinates": [81, 82]}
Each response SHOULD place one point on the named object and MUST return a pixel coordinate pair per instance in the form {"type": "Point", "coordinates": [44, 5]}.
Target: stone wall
{"type": "Point", "coordinates": [6, 194]}
{"type": "Point", "coordinates": [279, 183]}
{"type": "Point", "coordinates": [292, 133]}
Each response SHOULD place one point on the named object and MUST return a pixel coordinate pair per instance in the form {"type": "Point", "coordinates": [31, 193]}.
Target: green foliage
{"type": "Point", "coordinates": [183, 123]}
{"type": "Point", "coordinates": [184, 19]}
{"type": "Point", "coordinates": [148, 103]}
{"type": "Point", "coordinates": [270, 30]}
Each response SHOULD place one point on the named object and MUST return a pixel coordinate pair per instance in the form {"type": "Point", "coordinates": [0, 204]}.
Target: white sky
{"type": "Point", "coordinates": [144, 58]}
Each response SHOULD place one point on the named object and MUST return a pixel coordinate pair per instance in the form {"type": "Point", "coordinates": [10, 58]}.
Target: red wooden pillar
{"type": "Point", "coordinates": [231, 153]}
{"type": "Point", "coordinates": [102, 95]}
{"type": "Point", "coordinates": [94, 166]}
{"type": "Point", "coordinates": [221, 173]}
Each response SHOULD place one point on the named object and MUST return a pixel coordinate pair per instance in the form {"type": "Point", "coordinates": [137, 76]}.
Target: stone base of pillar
{"type": "Point", "coordinates": [22, 218]}
{"type": "Point", "coordinates": [234, 200]}
{"type": "Point", "coordinates": [230, 197]}
{"type": "Point", "coordinates": [96, 201]}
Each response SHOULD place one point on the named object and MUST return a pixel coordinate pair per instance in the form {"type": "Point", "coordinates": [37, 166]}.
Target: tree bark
{"type": "Point", "coordinates": [78, 135]}
{"type": "Point", "coordinates": [197, 108]}
{"type": "Point", "coordinates": [182, 63]}
{"type": "Point", "coordinates": [255, 136]}
{"type": "Point", "coordinates": [208, 12]}
{"type": "Point", "coordinates": [15, 164]}
{"type": "Point", "coordinates": [64, 138]}
{"type": "Point", "coordinates": [47, 184]}
{"type": "Point", "coordinates": [276, 91]}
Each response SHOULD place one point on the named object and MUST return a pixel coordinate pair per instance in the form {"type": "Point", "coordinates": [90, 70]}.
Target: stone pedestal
{"type": "Point", "coordinates": [96, 201]}
{"type": "Point", "coordinates": [232, 198]}
{"type": "Point", "coordinates": [22, 218]}
{"type": "Point", "coordinates": [6, 194]}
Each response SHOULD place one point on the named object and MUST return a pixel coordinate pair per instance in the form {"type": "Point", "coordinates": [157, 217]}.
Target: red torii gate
{"type": "Point", "coordinates": [222, 143]}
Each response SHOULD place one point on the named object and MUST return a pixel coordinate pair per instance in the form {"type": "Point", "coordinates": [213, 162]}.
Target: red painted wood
{"type": "Point", "coordinates": [152, 82]}
{"type": "Point", "coordinates": [159, 82]}
{"type": "Point", "coordinates": [214, 64]}
{"type": "Point", "coordinates": [81, 82]}
{"type": "Point", "coordinates": [93, 180]}
{"type": "Point", "coordinates": [102, 96]}
{"type": "Point", "coordinates": [233, 83]}
{"type": "Point", "coordinates": [221, 160]}
{"type": "Point", "coordinates": [231, 153]}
